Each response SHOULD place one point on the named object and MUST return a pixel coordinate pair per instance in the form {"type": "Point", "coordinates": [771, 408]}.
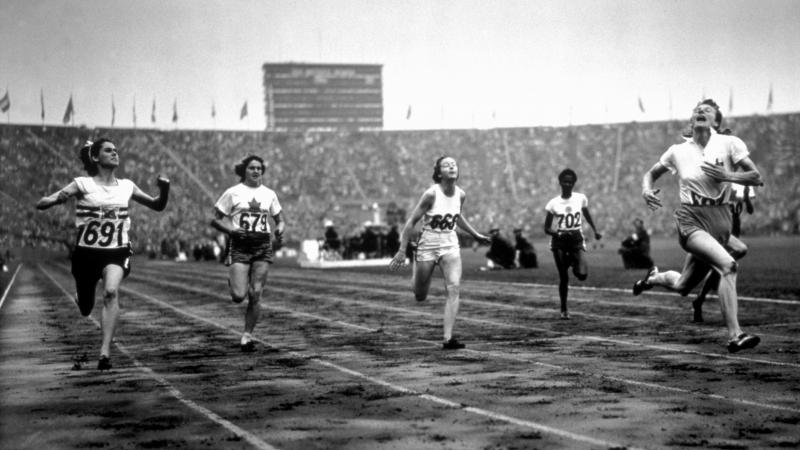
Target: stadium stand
{"type": "Point", "coordinates": [507, 173]}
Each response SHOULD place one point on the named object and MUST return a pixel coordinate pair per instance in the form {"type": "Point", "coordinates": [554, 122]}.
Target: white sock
{"type": "Point", "coordinates": [246, 337]}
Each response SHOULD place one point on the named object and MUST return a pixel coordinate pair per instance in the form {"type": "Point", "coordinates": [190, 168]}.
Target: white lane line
{"type": "Point", "coordinates": [499, 355]}
{"type": "Point", "coordinates": [577, 288]}
{"type": "Point", "coordinates": [228, 425]}
{"type": "Point", "coordinates": [378, 381]}
{"type": "Point", "coordinates": [490, 322]}
{"type": "Point", "coordinates": [8, 288]}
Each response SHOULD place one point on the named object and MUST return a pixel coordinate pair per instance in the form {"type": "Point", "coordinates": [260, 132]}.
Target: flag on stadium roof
{"type": "Point", "coordinates": [69, 112]}
{"type": "Point", "coordinates": [175, 111]}
{"type": "Point", "coordinates": [641, 105]}
{"type": "Point", "coordinates": [5, 102]}
{"type": "Point", "coordinates": [408, 113]}
{"type": "Point", "coordinates": [213, 110]}
{"type": "Point", "coordinates": [243, 114]}
{"type": "Point", "coordinates": [153, 112]}
{"type": "Point", "coordinates": [41, 102]}
{"type": "Point", "coordinates": [134, 111]}
{"type": "Point", "coordinates": [113, 110]}
{"type": "Point", "coordinates": [730, 101]}
{"type": "Point", "coordinates": [769, 99]}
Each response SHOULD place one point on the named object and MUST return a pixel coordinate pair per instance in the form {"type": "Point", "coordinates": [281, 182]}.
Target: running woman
{"type": "Point", "coordinates": [102, 248]}
{"type": "Point", "coordinates": [243, 212]}
{"type": "Point", "coordinates": [706, 164]}
{"type": "Point", "coordinates": [441, 209]}
{"type": "Point", "coordinates": [566, 237]}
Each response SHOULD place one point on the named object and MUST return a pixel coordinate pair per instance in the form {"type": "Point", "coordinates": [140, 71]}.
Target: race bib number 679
{"type": "Point", "coordinates": [254, 222]}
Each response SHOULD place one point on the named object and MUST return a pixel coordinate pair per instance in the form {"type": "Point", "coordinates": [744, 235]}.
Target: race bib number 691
{"type": "Point", "coordinates": [102, 234]}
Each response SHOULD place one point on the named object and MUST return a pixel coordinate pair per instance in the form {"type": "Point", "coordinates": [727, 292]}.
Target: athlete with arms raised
{"type": "Point", "coordinates": [102, 249]}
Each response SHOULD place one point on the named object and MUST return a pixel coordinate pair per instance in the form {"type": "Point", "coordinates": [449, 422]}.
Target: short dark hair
{"type": "Point", "coordinates": [240, 168]}
{"type": "Point", "coordinates": [91, 149]}
{"type": "Point", "coordinates": [437, 171]}
{"type": "Point", "coordinates": [567, 172]}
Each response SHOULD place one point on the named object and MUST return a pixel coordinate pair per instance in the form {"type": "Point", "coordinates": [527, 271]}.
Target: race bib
{"type": "Point", "coordinates": [254, 221]}
{"type": "Point", "coordinates": [444, 223]}
{"type": "Point", "coordinates": [569, 221]}
{"type": "Point", "coordinates": [103, 233]}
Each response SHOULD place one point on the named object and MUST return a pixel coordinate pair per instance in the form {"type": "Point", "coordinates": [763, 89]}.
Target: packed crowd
{"type": "Point", "coordinates": [508, 173]}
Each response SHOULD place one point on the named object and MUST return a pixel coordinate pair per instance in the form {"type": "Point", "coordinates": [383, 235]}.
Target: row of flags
{"type": "Point", "coordinates": [640, 104]}
{"type": "Point", "coordinates": [69, 112]}
{"type": "Point", "coordinates": [730, 101]}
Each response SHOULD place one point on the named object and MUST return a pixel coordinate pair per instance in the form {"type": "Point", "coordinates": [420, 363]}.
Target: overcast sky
{"type": "Point", "coordinates": [457, 63]}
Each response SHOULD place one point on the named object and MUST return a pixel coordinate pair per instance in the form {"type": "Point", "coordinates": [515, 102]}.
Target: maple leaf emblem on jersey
{"type": "Point", "coordinates": [254, 205]}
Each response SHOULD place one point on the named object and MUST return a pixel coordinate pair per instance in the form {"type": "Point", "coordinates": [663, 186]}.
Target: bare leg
{"type": "Point", "coordinates": [258, 278]}
{"type": "Point", "coordinates": [421, 279]}
{"type": "Point", "coordinates": [562, 265]}
{"type": "Point", "coordinates": [738, 250]}
{"type": "Point", "coordinates": [238, 276]}
{"type": "Point", "coordinates": [451, 270]}
{"type": "Point", "coordinates": [112, 277]}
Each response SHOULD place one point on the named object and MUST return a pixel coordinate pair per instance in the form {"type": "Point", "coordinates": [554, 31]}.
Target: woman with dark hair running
{"type": "Point", "coordinates": [705, 164]}
{"type": "Point", "coordinates": [242, 213]}
{"type": "Point", "coordinates": [440, 208]}
{"type": "Point", "coordinates": [102, 248]}
{"type": "Point", "coordinates": [566, 237]}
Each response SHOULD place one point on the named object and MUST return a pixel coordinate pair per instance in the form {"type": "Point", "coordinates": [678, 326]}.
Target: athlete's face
{"type": "Point", "coordinates": [108, 156]}
{"type": "Point", "coordinates": [567, 183]}
{"type": "Point", "coordinates": [448, 168]}
{"type": "Point", "coordinates": [253, 173]}
{"type": "Point", "coordinates": [704, 116]}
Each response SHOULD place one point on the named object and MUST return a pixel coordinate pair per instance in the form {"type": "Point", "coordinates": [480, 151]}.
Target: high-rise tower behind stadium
{"type": "Point", "coordinates": [323, 97]}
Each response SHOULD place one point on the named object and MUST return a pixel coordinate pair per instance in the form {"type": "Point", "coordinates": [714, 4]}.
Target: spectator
{"type": "Point", "coordinates": [635, 249]}
{"type": "Point", "coordinates": [501, 253]}
{"type": "Point", "coordinates": [332, 245]}
{"type": "Point", "coordinates": [526, 254]}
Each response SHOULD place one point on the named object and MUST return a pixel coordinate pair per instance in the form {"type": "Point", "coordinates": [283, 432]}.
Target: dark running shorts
{"type": "Point", "coordinates": [88, 263]}
{"type": "Point", "coordinates": [714, 219]}
{"type": "Point", "coordinates": [569, 241]}
{"type": "Point", "coordinates": [249, 248]}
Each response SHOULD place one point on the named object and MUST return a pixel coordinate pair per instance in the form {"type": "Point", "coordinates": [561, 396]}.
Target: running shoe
{"type": "Point", "coordinates": [452, 344]}
{"type": "Point", "coordinates": [742, 342]}
{"type": "Point", "coordinates": [248, 347]}
{"type": "Point", "coordinates": [104, 363]}
{"type": "Point", "coordinates": [643, 285]}
{"type": "Point", "coordinates": [564, 315]}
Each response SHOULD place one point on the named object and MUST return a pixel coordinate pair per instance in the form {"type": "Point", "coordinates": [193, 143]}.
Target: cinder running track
{"type": "Point", "coordinates": [350, 360]}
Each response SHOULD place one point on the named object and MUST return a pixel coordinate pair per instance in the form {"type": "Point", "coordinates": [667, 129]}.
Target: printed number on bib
{"type": "Point", "coordinates": [253, 222]}
{"type": "Point", "coordinates": [446, 222]}
{"type": "Point", "coordinates": [569, 221]}
{"type": "Point", "coordinates": [102, 234]}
